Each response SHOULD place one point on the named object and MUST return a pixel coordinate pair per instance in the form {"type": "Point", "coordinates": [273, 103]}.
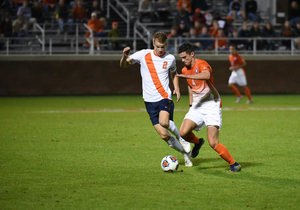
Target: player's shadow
{"type": "Point", "coordinates": [219, 163]}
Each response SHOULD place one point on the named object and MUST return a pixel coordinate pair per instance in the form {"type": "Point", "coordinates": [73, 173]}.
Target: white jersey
{"type": "Point", "coordinates": [155, 74]}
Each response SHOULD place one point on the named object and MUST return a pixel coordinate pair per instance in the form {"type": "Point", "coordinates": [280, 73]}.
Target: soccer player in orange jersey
{"type": "Point", "coordinates": [205, 105]}
{"type": "Point", "coordinates": [238, 75]}
{"type": "Point", "coordinates": [155, 66]}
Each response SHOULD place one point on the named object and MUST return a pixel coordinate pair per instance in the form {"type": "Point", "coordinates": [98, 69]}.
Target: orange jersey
{"type": "Point", "coordinates": [236, 60]}
{"type": "Point", "coordinates": [201, 88]}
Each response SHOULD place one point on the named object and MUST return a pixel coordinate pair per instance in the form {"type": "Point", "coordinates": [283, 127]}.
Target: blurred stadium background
{"type": "Point", "coordinates": [53, 62]}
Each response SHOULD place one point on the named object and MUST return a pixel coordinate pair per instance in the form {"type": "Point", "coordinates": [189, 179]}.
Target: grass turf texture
{"type": "Point", "coordinates": [84, 153]}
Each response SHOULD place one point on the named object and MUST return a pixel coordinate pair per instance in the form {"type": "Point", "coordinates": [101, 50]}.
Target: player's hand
{"type": "Point", "coordinates": [180, 75]}
{"type": "Point", "coordinates": [177, 92]}
{"type": "Point", "coordinates": [126, 51]}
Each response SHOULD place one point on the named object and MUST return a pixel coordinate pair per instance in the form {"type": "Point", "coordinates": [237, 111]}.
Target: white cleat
{"type": "Point", "coordinates": [249, 101]}
{"type": "Point", "coordinates": [239, 99]}
{"type": "Point", "coordinates": [186, 145]}
{"type": "Point", "coordinates": [187, 159]}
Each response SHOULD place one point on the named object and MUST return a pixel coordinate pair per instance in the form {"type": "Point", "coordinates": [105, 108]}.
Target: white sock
{"type": "Point", "coordinates": [173, 129]}
{"type": "Point", "coordinates": [173, 142]}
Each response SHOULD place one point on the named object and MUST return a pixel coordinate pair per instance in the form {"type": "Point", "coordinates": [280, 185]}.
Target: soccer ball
{"type": "Point", "coordinates": [169, 164]}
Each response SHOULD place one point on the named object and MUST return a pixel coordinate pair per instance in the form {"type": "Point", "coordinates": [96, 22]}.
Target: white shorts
{"type": "Point", "coordinates": [209, 114]}
{"type": "Point", "coordinates": [238, 77]}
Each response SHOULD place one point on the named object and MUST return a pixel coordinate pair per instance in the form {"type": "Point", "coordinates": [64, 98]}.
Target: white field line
{"type": "Point", "coordinates": [142, 110]}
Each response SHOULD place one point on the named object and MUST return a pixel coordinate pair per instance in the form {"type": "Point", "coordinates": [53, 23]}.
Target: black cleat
{"type": "Point", "coordinates": [235, 167]}
{"type": "Point", "coordinates": [197, 147]}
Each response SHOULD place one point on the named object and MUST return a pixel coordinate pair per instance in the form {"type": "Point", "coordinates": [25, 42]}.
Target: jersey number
{"type": "Point", "coordinates": [165, 65]}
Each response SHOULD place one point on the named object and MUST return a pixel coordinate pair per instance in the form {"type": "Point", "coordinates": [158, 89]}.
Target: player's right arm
{"type": "Point", "coordinates": [125, 60]}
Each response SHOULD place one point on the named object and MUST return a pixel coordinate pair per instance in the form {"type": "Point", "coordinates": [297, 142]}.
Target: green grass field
{"type": "Point", "coordinates": [101, 152]}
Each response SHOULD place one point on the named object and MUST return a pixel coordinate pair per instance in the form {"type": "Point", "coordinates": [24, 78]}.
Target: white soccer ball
{"type": "Point", "coordinates": [169, 164]}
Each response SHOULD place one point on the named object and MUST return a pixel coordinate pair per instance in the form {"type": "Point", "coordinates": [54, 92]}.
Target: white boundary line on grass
{"type": "Point", "coordinates": [142, 110]}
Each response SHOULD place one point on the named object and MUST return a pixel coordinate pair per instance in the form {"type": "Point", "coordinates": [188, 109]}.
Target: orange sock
{"type": "Point", "coordinates": [224, 153]}
{"type": "Point", "coordinates": [235, 91]}
{"type": "Point", "coordinates": [247, 92]}
{"type": "Point", "coordinates": [192, 138]}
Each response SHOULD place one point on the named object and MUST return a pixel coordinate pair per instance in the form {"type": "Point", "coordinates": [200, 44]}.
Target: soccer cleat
{"type": "Point", "coordinates": [235, 167]}
{"type": "Point", "coordinates": [186, 145]}
{"type": "Point", "coordinates": [187, 159]}
{"type": "Point", "coordinates": [197, 147]}
{"type": "Point", "coordinates": [239, 99]}
{"type": "Point", "coordinates": [249, 101]}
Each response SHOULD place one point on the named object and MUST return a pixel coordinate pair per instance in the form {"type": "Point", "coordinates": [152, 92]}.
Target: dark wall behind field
{"type": "Point", "coordinates": [69, 76]}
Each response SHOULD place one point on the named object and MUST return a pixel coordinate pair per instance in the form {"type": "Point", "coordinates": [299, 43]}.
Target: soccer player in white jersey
{"type": "Point", "coordinates": [155, 65]}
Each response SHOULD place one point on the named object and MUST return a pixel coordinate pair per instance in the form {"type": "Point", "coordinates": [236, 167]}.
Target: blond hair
{"type": "Point", "coordinates": [160, 37]}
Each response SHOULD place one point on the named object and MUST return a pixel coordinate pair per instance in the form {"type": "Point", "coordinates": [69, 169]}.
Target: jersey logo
{"type": "Point", "coordinates": [196, 70]}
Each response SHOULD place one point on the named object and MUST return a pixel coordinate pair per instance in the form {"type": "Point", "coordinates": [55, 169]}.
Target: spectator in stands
{"type": "Point", "coordinates": [256, 32]}
{"type": "Point", "coordinates": [63, 16]}
{"type": "Point", "coordinates": [171, 43]}
{"type": "Point", "coordinates": [37, 12]}
{"type": "Point", "coordinates": [251, 10]}
{"type": "Point", "coordinates": [114, 32]}
{"type": "Point", "coordinates": [297, 31]}
{"type": "Point", "coordinates": [294, 13]}
{"type": "Point", "coordinates": [198, 27]}
{"type": "Point", "coordinates": [49, 6]}
{"type": "Point", "coordinates": [199, 16]}
{"type": "Point", "coordinates": [193, 38]}
{"type": "Point", "coordinates": [287, 32]}
{"type": "Point", "coordinates": [182, 15]}
{"type": "Point", "coordinates": [145, 10]}
{"type": "Point", "coordinates": [6, 27]}
{"type": "Point", "coordinates": [228, 27]}
{"type": "Point", "coordinates": [95, 7]}
{"type": "Point", "coordinates": [19, 27]}
{"type": "Point", "coordinates": [25, 10]}
{"type": "Point", "coordinates": [206, 44]}
{"type": "Point", "coordinates": [184, 4]}
{"type": "Point", "coordinates": [96, 25]}
{"type": "Point", "coordinates": [235, 10]}
{"type": "Point", "coordinates": [237, 42]}
{"type": "Point", "coordinates": [79, 12]}
{"type": "Point", "coordinates": [183, 30]}
{"type": "Point", "coordinates": [244, 32]}
{"type": "Point", "coordinates": [213, 30]}
{"type": "Point", "coordinates": [268, 32]}
{"type": "Point", "coordinates": [161, 10]}
{"type": "Point", "coordinates": [222, 43]}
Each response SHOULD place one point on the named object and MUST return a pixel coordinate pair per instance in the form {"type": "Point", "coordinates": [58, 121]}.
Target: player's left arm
{"type": "Point", "coordinates": [176, 85]}
{"type": "Point", "coordinates": [204, 75]}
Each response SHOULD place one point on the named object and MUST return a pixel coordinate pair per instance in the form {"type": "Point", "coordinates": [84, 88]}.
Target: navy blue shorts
{"type": "Point", "coordinates": [153, 109]}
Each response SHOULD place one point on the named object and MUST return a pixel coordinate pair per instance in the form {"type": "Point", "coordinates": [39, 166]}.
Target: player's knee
{"type": "Point", "coordinates": [164, 123]}
{"type": "Point", "coordinates": [183, 134]}
{"type": "Point", "coordinates": [230, 85]}
{"type": "Point", "coordinates": [165, 136]}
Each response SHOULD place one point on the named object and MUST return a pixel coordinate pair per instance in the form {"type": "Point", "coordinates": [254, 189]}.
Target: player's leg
{"type": "Point", "coordinates": [231, 83]}
{"type": "Point", "coordinates": [213, 139]}
{"type": "Point", "coordinates": [186, 132]}
{"type": "Point", "coordinates": [173, 142]}
{"type": "Point", "coordinates": [166, 120]}
{"type": "Point", "coordinates": [248, 93]}
{"type": "Point", "coordinates": [236, 92]}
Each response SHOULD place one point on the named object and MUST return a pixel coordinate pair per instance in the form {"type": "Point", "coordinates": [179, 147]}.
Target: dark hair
{"type": "Point", "coordinates": [186, 47]}
{"type": "Point", "coordinates": [232, 45]}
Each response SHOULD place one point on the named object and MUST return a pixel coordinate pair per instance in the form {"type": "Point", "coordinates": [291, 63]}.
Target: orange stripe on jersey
{"type": "Point", "coordinates": [155, 77]}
